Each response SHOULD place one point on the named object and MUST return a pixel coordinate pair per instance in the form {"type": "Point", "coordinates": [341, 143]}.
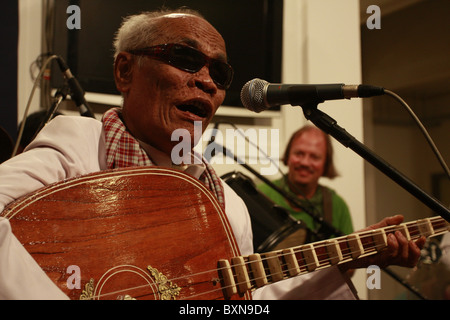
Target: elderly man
{"type": "Point", "coordinates": [171, 68]}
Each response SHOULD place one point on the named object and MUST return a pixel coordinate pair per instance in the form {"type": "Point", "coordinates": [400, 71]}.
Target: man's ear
{"type": "Point", "coordinates": [123, 71]}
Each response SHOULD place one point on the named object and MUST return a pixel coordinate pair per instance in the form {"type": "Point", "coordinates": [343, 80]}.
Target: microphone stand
{"type": "Point", "coordinates": [60, 95]}
{"type": "Point", "coordinates": [330, 126]}
{"type": "Point", "coordinates": [325, 225]}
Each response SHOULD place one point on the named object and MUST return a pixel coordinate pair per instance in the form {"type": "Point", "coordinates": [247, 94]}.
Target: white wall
{"type": "Point", "coordinates": [30, 16]}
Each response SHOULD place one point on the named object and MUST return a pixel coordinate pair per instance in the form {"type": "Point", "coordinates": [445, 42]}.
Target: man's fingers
{"type": "Point", "coordinates": [397, 219]}
{"type": "Point", "coordinates": [403, 245]}
{"type": "Point", "coordinates": [393, 245]}
{"type": "Point", "coordinates": [389, 221]}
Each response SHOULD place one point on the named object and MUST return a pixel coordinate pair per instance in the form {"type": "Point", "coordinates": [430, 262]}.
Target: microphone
{"type": "Point", "coordinates": [258, 95]}
{"type": "Point", "coordinates": [76, 92]}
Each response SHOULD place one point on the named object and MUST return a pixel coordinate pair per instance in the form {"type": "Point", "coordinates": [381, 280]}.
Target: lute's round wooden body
{"type": "Point", "coordinates": [143, 233]}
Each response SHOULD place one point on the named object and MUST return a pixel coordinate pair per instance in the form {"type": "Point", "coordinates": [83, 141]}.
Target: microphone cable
{"type": "Point", "coordinates": [423, 129]}
{"type": "Point", "coordinates": [36, 81]}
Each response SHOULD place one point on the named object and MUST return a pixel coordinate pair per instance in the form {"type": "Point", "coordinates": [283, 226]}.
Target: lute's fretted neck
{"type": "Point", "coordinates": [245, 273]}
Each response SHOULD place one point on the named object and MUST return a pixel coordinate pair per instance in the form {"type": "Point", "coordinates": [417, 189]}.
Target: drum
{"type": "Point", "coordinates": [273, 227]}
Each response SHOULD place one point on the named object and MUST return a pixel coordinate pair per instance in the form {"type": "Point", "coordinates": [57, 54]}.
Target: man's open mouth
{"type": "Point", "coordinates": [196, 108]}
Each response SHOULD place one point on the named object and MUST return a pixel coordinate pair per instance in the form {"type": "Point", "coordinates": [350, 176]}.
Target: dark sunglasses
{"type": "Point", "coordinates": [191, 60]}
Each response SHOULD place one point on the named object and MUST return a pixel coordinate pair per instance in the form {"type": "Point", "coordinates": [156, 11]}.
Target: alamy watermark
{"type": "Point", "coordinates": [374, 20]}
{"type": "Point", "coordinates": [74, 20]}
{"type": "Point", "coordinates": [74, 280]}
{"type": "Point", "coordinates": [374, 280]}
{"type": "Point", "coordinates": [238, 143]}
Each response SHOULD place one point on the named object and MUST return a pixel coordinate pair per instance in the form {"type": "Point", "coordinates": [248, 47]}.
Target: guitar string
{"type": "Point", "coordinates": [369, 234]}
{"type": "Point", "coordinates": [287, 270]}
{"type": "Point", "coordinates": [299, 249]}
{"type": "Point", "coordinates": [437, 231]}
{"type": "Point", "coordinates": [344, 239]}
{"type": "Point", "coordinates": [324, 262]}
{"type": "Point", "coordinates": [254, 279]}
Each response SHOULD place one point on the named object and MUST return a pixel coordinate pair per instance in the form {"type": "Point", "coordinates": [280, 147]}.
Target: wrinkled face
{"type": "Point", "coordinates": [306, 160]}
{"type": "Point", "coordinates": [159, 98]}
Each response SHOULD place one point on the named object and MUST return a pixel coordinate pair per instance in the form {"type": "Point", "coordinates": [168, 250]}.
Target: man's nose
{"type": "Point", "coordinates": [304, 160]}
{"type": "Point", "coordinates": [204, 81]}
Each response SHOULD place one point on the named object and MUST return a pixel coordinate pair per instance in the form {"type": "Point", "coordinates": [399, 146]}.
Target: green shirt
{"type": "Point", "coordinates": [341, 214]}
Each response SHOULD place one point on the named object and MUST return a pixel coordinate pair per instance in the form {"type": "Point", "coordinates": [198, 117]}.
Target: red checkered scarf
{"type": "Point", "coordinates": [123, 150]}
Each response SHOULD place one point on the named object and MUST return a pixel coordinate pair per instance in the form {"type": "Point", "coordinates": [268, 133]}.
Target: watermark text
{"type": "Point", "coordinates": [374, 20]}
{"type": "Point", "coordinates": [252, 146]}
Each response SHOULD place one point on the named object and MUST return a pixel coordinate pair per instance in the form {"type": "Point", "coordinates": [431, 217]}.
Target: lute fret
{"type": "Point", "coordinates": [379, 239]}
{"type": "Point", "coordinates": [425, 227]}
{"type": "Point", "coordinates": [333, 251]}
{"type": "Point", "coordinates": [257, 267]}
{"type": "Point", "coordinates": [273, 266]}
{"type": "Point", "coordinates": [241, 273]}
{"type": "Point", "coordinates": [355, 245]}
{"type": "Point", "coordinates": [291, 262]}
{"type": "Point", "coordinates": [405, 231]}
{"type": "Point", "coordinates": [257, 270]}
{"type": "Point", "coordinates": [226, 273]}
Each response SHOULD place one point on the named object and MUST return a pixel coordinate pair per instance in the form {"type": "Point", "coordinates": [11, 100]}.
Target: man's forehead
{"type": "Point", "coordinates": [189, 22]}
{"type": "Point", "coordinates": [192, 30]}
{"type": "Point", "coordinates": [310, 138]}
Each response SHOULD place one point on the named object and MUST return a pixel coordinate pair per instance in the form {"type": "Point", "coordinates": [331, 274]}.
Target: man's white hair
{"type": "Point", "coordinates": [137, 31]}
